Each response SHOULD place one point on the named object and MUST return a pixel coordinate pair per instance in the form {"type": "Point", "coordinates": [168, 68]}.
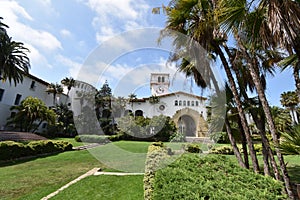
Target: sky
{"type": "Point", "coordinates": [98, 40]}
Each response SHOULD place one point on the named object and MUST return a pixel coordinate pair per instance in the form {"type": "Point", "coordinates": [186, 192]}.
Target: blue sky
{"type": "Point", "coordinates": [64, 35]}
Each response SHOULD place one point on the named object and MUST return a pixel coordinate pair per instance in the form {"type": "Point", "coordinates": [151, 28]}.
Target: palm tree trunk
{"type": "Point", "coordinates": [260, 124]}
{"type": "Point", "coordinates": [244, 143]}
{"type": "Point", "coordinates": [297, 78]}
{"type": "Point", "coordinates": [239, 108]}
{"type": "Point", "coordinates": [233, 144]}
{"type": "Point", "coordinates": [262, 97]}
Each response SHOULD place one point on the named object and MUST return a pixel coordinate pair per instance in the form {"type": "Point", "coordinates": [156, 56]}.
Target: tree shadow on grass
{"type": "Point", "coordinates": [25, 159]}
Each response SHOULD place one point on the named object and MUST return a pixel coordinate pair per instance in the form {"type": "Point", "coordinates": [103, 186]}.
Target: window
{"type": "Point", "coordinates": [13, 114]}
{"type": "Point", "coordinates": [176, 103]}
{"type": "Point", "coordinates": [44, 125]}
{"type": "Point", "coordinates": [159, 79]}
{"type": "Point", "coordinates": [192, 103]}
{"type": "Point", "coordinates": [1, 94]}
{"type": "Point", "coordinates": [32, 85]}
{"type": "Point", "coordinates": [197, 103]}
{"type": "Point", "coordinates": [163, 79]}
{"type": "Point", "coordinates": [188, 103]}
{"type": "Point", "coordinates": [180, 103]}
{"type": "Point", "coordinates": [18, 99]}
{"type": "Point", "coordinates": [184, 103]}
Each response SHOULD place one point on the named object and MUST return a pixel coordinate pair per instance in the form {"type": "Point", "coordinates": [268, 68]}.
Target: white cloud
{"type": "Point", "coordinates": [13, 13]}
{"type": "Point", "coordinates": [115, 16]}
{"type": "Point", "coordinates": [65, 33]}
{"type": "Point", "coordinates": [74, 67]}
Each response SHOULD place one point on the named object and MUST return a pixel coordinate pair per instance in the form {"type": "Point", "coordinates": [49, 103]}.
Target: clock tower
{"type": "Point", "coordinates": [159, 83]}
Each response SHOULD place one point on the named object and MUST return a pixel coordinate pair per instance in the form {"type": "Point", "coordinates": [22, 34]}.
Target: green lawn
{"type": "Point", "coordinates": [105, 187]}
{"type": "Point", "coordinates": [36, 178]}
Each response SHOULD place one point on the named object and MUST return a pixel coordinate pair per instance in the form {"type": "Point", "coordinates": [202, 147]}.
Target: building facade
{"type": "Point", "coordinates": [11, 95]}
{"type": "Point", "coordinates": [188, 111]}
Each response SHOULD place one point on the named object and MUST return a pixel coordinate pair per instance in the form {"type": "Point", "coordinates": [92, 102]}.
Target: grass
{"type": "Point", "coordinates": [36, 178]}
{"type": "Point", "coordinates": [105, 187]}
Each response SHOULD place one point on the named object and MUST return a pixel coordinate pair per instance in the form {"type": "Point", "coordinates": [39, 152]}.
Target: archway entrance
{"type": "Point", "coordinates": [187, 126]}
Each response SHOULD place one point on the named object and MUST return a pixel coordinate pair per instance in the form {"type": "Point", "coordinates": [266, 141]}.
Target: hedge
{"type": "Point", "coordinates": [212, 177]}
{"type": "Point", "coordinates": [102, 139]}
{"type": "Point", "coordinates": [12, 150]}
{"type": "Point", "coordinates": [157, 153]}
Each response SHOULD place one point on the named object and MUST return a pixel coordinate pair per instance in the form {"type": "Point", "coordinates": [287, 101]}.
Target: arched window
{"type": "Point", "coordinates": [138, 113]}
{"type": "Point", "coordinates": [184, 103]}
{"type": "Point", "coordinates": [176, 103]}
{"type": "Point", "coordinates": [188, 103]}
{"type": "Point", "coordinates": [163, 79]}
{"type": "Point", "coordinates": [197, 103]}
{"type": "Point", "coordinates": [192, 103]}
{"type": "Point", "coordinates": [180, 103]}
{"type": "Point", "coordinates": [159, 79]}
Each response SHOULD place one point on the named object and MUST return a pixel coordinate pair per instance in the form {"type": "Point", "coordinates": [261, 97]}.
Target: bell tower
{"type": "Point", "coordinates": [159, 83]}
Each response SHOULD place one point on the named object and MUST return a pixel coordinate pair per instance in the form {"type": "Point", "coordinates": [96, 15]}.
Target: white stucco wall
{"type": "Point", "coordinates": [168, 101]}
{"type": "Point", "coordinates": [25, 90]}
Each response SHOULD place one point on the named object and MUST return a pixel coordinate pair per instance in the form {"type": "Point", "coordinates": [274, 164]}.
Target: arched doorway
{"type": "Point", "coordinates": [187, 125]}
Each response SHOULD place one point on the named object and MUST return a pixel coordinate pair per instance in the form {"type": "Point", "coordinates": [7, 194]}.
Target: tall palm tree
{"type": "Point", "coordinates": [195, 19]}
{"type": "Point", "coordinates": [249, 29]}
{"type": "Point", "coordinates": [282, 27]}
{"type": "Point", "coordinates": [55, 89]}
{"type": "Point", "coordinates": [290, 100]}
{"type": "Point", "coordinates": [69, 83]}
{"type": "Point", "coordinates": [14, 62]}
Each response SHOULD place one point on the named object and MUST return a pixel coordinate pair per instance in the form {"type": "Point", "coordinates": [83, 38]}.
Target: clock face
{"type": "Point", "coordinates": [160, 90]}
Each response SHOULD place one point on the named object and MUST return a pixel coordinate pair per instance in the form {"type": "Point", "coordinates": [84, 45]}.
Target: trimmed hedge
{"type": "Point", "coordinates": [101, 139]}
{"type": "Point", "coordinates": [225, 150]}
{"type": "Point", "coordinates": [12, 150]}
{"type": "Point", "coordinates": [157, 153]}
{"type": "Point", "coordinates": [212, 177]}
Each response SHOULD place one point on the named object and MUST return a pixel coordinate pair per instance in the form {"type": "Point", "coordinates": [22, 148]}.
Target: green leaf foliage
{"type": "Point", "coordinates": [12, 150]}
{"type": "Point", "coordinates": [212, 177]}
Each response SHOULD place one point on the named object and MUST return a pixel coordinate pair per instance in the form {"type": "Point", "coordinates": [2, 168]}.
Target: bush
{"type": "Point", "coordinates": [193, 148]}
{"type": "Point", "coordinates": [212, 177]}
{"type": "Point", "coordinates": [157, 153]}
{"type": "Point", "coordinates": [225, 150]}
{"type": "Point", "coordinates": [101, 139]}
{"type": "Point", "coordinates": [177, 137]}
{"type": "Point", "coordinates": [12, 150]}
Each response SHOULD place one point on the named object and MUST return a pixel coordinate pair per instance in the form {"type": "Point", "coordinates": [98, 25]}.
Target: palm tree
{"type": "Point", "coordinates": [69, 83]}
{"type": "Point", "coordinates": [195, 19]}
{"type": "Point", "coordinates": [250, 30]}
{"type": "Point", "coordinates": [55, 89]}
{"type": "Point", "coordinates": [131, 98]}
{"type": "Point", "coordinates": [282, 28]}
{"type": "Point", "coordinates": [290, 100]}
{"type": "Point", "coordinates": [14, 62]}
{"type": "Point", "coordinates": [291, 141]}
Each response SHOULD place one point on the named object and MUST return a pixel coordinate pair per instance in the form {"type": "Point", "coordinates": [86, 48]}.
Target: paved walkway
{"type": "Point", "coordinates": [95, 172]}
{"type": "Point", "coordinates": [88, 146]}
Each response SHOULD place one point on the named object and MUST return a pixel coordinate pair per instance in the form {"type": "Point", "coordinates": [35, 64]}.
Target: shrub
{"type": "Point", "coordinates": [177, 137]}
{"type": "Point", "coordinates": [193, 148]}
{"type": "Point", "coordinates": [225, 150]}
{"type": "Point", "coordinates": [212, 177]}
{"type": "Point", "coordinates": [157, 153]}
{"type": "Point", "coordinates": [12, 150]}
{"type": "Point", "coordinates": [101, 139]}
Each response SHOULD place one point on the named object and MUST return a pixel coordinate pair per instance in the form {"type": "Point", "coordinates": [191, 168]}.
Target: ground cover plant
{"type": "Point", "coordinates": [212, 177]}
